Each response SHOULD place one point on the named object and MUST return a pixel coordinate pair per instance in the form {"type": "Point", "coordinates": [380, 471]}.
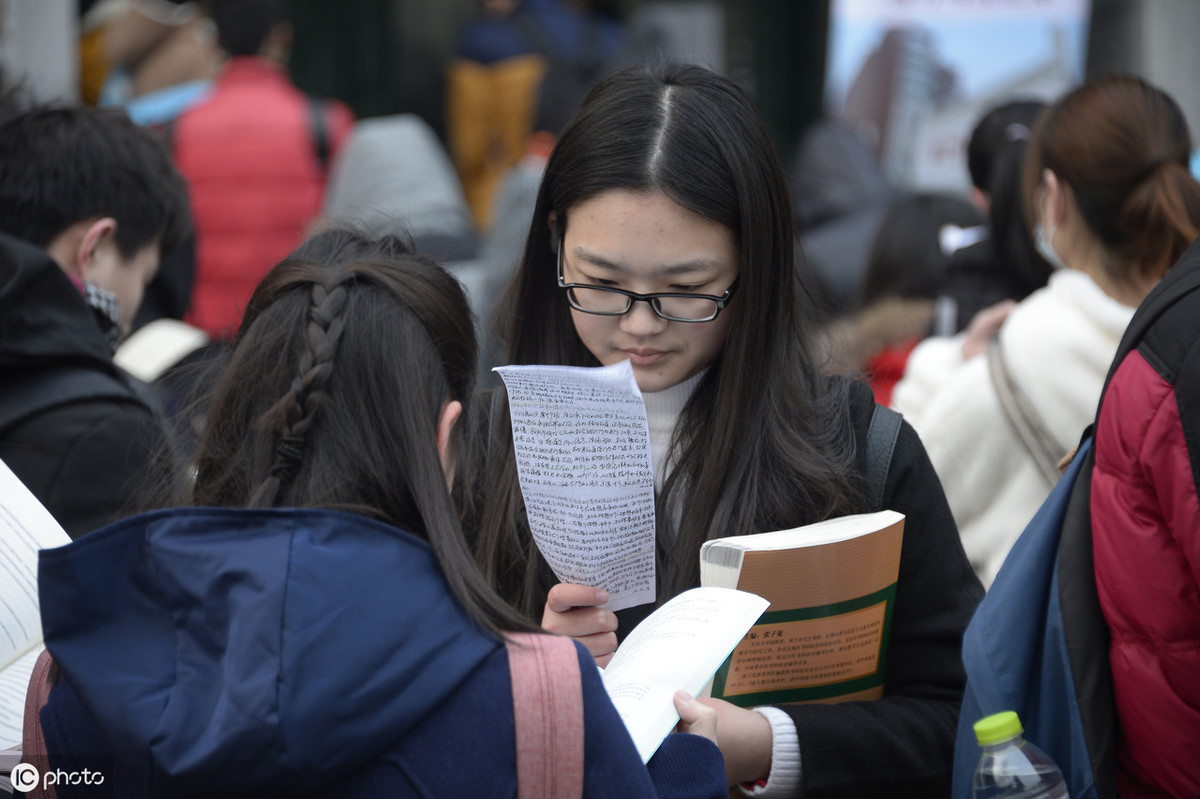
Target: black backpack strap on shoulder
{"type": "Point", "coordinates": [881, 443]}
{"type": "Point", "coordinates": [320, 131]}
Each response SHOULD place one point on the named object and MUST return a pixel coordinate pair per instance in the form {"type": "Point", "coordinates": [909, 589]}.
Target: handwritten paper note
{"type": "Point", "coordinates": [583, 461]}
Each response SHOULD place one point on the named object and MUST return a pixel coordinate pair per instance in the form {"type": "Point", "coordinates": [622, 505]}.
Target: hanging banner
{"type": "Point", "coordinates": [914, 76]}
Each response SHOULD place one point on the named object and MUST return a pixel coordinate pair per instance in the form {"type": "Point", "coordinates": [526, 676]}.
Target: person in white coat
{"type": "Point", "coordinates": [1112, 206]}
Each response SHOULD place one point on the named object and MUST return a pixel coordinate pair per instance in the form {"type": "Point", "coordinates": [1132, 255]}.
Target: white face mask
{"type": "Point", "coordinates": [1041, 240]}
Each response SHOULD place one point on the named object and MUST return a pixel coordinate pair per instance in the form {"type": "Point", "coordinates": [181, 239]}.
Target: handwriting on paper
{"type": "Point", "coordinates": [583, 461]}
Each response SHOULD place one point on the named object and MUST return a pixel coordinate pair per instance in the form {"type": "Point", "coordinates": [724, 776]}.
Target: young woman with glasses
{"type": "Point", "coordinates": [663, 235]}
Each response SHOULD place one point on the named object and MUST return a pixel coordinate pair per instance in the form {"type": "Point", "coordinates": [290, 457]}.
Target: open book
{"type": "Point", "coordinates": [25, 527]}
{"type": "Point", "coordinates": [832, 587]}
{"type": "Point", "coordinates": [680, 645]}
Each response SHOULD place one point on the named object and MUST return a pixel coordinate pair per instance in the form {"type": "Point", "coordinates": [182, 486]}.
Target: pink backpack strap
{"type": "Point", "coordinates": [33, 742]}
{"type": "Point", "coordinates": [547, 715]}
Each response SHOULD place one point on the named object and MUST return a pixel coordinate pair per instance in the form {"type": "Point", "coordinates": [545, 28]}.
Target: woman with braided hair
{"type": "Point", "coordinates": [312, 622]}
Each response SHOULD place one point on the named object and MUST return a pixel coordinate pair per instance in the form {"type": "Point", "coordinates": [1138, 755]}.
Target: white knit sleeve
{"type": "Point", "coordinates": [784, 779]}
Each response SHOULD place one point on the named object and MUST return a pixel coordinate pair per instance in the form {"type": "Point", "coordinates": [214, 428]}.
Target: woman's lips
{"type": "Point", "coordinates": [644, 357]}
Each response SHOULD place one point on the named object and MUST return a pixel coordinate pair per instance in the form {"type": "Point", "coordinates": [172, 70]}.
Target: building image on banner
{"type": "Point", "coordinates": [914, 76]}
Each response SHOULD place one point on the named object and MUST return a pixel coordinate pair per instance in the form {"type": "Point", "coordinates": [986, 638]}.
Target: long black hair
{"type": "Point", "coordinates": [765, 441]}
{"type": "Point", "coordinates": [347, 354]}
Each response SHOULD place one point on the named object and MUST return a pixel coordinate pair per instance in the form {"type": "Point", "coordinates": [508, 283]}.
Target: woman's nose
{"type": "Point", "coordinates": [642, 321]}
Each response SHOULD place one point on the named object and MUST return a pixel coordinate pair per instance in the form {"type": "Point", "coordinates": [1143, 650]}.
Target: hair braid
{"type": "Point", "coordinates": [293, 414]}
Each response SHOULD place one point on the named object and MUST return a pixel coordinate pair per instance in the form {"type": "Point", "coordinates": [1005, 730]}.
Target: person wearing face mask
{"type": "Point", "coordinates": [88, 203]}
{"type": "Point", "coordinates": [1111, 206]}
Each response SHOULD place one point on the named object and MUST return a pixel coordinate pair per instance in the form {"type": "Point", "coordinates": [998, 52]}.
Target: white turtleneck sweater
{"type": "Point", "coordinates": [662, 413]}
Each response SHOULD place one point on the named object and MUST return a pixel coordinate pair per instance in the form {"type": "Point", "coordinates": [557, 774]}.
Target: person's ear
{"type": "Point", "coordinates": [1054, 201]}
{"type": "Point", "coordinates": [445, 426]}
{"type": "Point", "coordinates": [95, 236]}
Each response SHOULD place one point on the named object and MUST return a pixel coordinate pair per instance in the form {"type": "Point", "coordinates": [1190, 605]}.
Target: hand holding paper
{"type": "Point", "coordinates": [577, 611]}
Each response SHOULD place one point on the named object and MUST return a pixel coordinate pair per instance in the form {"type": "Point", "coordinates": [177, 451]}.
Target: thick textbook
{"type": "Point", "coordinates": [832, 588]}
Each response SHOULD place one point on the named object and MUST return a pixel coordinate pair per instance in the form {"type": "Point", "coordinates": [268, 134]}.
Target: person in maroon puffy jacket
{"type": "Point", "coordinates": [1146, 539]}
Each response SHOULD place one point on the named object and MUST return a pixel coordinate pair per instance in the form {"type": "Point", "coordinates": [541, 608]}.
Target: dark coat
{"type": "Point", "coordinates": [901, 745]}
{"type": "Point", "coordinates": [285, 652]}
{"type": "Point", "coordinates": [73, 427]}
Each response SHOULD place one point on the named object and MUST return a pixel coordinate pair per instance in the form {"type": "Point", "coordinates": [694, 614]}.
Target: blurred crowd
{"type": "Point", "coordinates": [989, 319]}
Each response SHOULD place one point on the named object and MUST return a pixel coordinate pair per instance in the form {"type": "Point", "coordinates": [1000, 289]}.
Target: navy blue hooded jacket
{"type": "Point", "coordinates": [224, 652]}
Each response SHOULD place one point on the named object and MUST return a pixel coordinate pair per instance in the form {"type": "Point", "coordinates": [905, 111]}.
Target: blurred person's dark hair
{"type": "Point", "coordinates": [1122, 148]}
{"type": "Point", "coordinates": [1003, 124]}
{"type": "Point", "coordinates": [60, 165]}
{"type": "Point", "coordinates": [1024, 269]}
{"type": "Point", "coordinates": [896, 305]}
{"type": "Point", "coordinates": [243, 25]}
{"type": "Point", "coordinates": [907, 259]}
{"type": "Point", "coordinates": [1005, 265]}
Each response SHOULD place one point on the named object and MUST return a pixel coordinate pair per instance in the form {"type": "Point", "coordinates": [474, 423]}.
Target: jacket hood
{"type": "Point", "coordinates": [267, 651]}
{"type": "Point", "coordinates": [43, 317]}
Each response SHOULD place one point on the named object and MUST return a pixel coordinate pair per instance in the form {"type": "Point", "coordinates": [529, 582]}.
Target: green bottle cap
{"type": "Point", "coordinates": [998, 727]}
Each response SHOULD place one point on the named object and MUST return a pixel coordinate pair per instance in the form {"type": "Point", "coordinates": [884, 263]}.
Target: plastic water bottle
{"type": "Point", "coordinates": [1011, 767]}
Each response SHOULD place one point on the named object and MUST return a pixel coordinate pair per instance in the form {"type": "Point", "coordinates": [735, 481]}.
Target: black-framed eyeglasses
{"type": "Point", "coordinates": [674, 307]}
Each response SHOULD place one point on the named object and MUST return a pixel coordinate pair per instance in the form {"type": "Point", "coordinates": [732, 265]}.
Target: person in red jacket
{"type": "Point", "coordinates": [254, 155]}
{"type": "Point", "coordinates": [1146, 530]}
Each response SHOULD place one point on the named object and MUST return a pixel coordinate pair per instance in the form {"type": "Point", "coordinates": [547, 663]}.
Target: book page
{"type": "Point", "coordinates": [679, 646]}
{"type": "Point", "coordinates": [14, 683]}
{"type": "Point", "coordinates": [583, 461]}
{"type": "Point", "coordinates": [25, 527]}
